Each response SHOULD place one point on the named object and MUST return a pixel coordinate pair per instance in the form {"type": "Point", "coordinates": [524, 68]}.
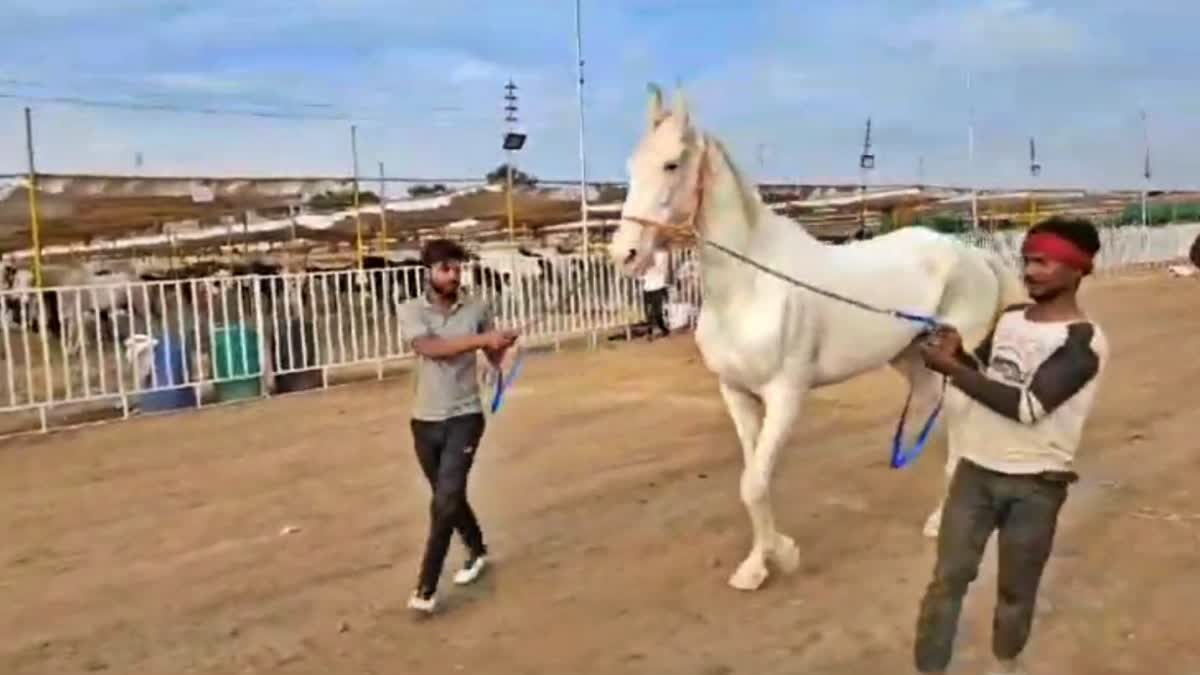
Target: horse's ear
{"type": "Point", "coordinates": [656, 113]}
{"type": "Point", "coordinates": [679, 108]}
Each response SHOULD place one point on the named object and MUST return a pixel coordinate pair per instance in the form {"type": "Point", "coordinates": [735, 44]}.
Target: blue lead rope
{"type": "Point", "coordinates": [901, 457]}
{"type": "Point", "coordinates": [503, 383]}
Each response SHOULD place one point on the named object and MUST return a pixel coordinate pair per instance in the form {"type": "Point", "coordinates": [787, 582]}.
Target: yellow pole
{"type": "Point", "coordinates": [358, 238]}
{"type": "Point", "coordinates": [509, 200]}
{"type": "Point", "coordinates": [34, 225]}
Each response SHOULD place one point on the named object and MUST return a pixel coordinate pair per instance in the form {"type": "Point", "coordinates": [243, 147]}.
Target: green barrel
{"type": "Point", "coordinates": [236, 363]}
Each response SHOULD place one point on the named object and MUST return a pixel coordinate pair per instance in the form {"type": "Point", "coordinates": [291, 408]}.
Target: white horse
{"type": "Point", "coordinates": [770, 342]}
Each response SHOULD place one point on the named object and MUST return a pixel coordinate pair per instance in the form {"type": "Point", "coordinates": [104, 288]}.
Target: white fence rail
{"type": "Point", "coordinates": [1120, 247]}
{"type": "Point", "coordinates": [171, 344]}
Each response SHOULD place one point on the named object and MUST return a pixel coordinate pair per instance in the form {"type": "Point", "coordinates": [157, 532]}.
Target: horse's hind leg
{"type": "Point", "coordinates": [953, 406]}
{"type": "Point", "coordinates": [926, 387]}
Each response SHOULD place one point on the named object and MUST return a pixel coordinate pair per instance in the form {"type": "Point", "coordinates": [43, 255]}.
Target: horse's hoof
{"type": "Point", "coordinates": [786, 554]}
{"type": "Point", "coordinates": [932, 525]}
{"type": "Point", "coordinates": [750, 575]}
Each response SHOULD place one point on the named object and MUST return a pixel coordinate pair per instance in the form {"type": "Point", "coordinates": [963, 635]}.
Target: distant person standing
{"type": "Point", "coordinates": [655, 280]}
{"type": "Point", "coordinates": [445, 329]}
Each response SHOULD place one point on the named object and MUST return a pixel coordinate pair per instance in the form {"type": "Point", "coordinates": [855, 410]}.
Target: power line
{"type": "Point", "coordinates": [140, 89]}
{"type": "Point", "coordinates": [80, 101]}
{"type": "Point", "coordinates": [142, 99]}
{"type": "Point", "coordinates": [169, 107]}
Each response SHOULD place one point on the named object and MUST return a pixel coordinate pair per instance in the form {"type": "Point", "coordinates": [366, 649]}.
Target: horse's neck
{"type": "Point", "coordinates": [734, 217]}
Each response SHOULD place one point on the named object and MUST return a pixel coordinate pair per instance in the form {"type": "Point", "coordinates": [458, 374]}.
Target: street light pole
{"type": "Point", "coordinates": [510, 119]}
{"type": "Point", "coordinates": [866, 162]}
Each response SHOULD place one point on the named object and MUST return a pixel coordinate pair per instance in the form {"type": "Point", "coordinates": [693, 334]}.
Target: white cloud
{"type": "Point", "coordinates": [424, 83]}
{"type": "Point", "coordinates": [471, 70]}
{"type": "Point", "coordinates": [995, 33]}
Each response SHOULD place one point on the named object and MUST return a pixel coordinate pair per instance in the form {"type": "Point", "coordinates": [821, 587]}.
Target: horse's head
{"type": "Point", "coordinates": [664, 183]}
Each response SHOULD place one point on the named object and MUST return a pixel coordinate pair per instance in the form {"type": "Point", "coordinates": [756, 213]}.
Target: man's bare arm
{"type": "Point", "coordinates": [434, 347]}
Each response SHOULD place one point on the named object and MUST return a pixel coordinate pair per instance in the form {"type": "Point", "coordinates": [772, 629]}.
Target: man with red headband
{"type": "Point", "coordinates": [1029, 389]}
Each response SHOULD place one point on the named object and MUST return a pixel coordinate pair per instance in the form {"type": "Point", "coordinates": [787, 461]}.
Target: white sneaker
{"type": "Point", "coordinates": [422, 604]}
{"type": "Point", "coordinates": [471, 570]}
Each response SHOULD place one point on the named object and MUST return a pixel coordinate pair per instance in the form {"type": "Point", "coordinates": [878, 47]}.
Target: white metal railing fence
{"type": "Point", "coordinates": [1120, 247]}
{"type": "Point", "coordinates": [125, 343]}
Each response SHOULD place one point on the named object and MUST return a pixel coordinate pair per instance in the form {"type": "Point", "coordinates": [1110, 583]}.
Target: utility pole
{"type": "Point", "coordinates": [34, 225]}
{"type": "Point", "coordinates": [583, 200]}
{"type": "Point", "coordinates": [584, 215]}
{"type": "Point", "coordinates": [971, 155]}
{"type": "Point", "coordinates": [1145, 169]}
{"type": "Point", "coordinates": [383, 237]}
{"type": "Point", "coordinates": [1035, 170]}
{"type": "Point", "coordinates": [358, 238]}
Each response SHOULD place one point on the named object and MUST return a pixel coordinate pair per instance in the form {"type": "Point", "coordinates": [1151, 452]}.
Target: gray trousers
{"type": "Point", "coordinates": [1024, 508]}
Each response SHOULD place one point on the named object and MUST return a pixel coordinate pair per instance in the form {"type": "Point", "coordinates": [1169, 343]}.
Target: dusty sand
{"type": "Point", "coordinates": [608, 491]}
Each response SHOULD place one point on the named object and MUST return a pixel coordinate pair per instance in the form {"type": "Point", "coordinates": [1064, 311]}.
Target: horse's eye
{"type": "Point", "coordinates": [670, 166]}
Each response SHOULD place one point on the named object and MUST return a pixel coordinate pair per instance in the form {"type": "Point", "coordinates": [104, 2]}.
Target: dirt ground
{"type": "Point", "coordinates": [282, 536]}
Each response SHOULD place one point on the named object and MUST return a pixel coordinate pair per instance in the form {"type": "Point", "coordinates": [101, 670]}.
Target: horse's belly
{"type": "Point", "coordinates": [858, 348]}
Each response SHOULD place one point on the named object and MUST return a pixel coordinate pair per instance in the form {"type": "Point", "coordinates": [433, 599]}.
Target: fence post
{"type": "Point", "coordinates": [263, 355]}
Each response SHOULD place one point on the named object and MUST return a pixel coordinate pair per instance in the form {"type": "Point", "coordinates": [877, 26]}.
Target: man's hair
{"type": "Point", "coordinates": [1078, 231]}
{"type": "Point", "coordinates": [442, 250]}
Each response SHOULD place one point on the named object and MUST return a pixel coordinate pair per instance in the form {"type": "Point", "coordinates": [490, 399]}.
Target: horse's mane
{"type": "Point", "coordinates": [748, 198]}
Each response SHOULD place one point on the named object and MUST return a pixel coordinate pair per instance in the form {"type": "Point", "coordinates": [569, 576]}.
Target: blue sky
{"type": "Point", "coordinates": [423, 81]}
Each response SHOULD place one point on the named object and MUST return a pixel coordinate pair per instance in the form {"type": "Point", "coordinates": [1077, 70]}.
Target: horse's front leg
{"type": "Point", "coordinates": [781, 400]}
{"type": "Point", "coordinates": [746, 411]}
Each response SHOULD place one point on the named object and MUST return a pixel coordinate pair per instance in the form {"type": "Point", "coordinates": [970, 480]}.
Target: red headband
{"type": "Point", "coordinates": [1058, 249]}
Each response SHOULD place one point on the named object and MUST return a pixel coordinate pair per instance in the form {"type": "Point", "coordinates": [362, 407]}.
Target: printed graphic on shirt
{"type": "Point", "coordinates": [1006, 364]}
